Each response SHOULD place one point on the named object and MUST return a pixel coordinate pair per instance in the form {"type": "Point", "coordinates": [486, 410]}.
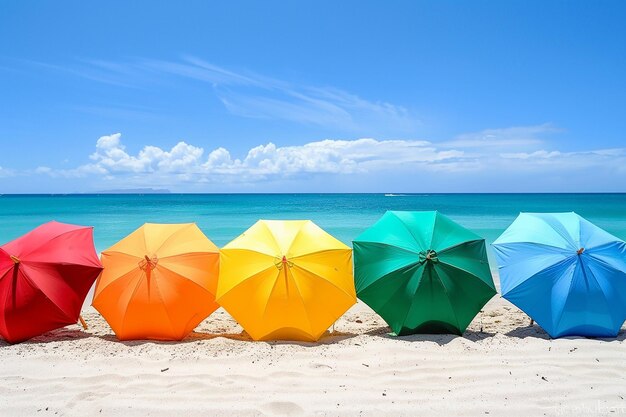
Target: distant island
{"type": "Point", "coordinates": [135, 191]}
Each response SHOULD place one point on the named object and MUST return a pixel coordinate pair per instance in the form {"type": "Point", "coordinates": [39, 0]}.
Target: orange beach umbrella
{"type": "Point", "coordinates": [159, 282]}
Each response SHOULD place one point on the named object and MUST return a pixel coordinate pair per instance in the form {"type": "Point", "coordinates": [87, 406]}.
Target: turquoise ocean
{"type": "Point", "coordinates": [222, 217]}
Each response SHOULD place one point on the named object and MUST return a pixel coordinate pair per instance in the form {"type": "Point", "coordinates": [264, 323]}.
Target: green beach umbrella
{"type": "Point", "coordinates": [422, 272]}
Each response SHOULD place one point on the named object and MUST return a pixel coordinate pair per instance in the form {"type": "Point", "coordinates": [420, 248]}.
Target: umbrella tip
{"type": "Point", "coordinates": [148, 263]}
{"type": "Point", "coordinates": [15, 259]}
{"type": "Point", "coordinates": [284, 259]}
{"type": "Point", "coordinates": [580, 251]}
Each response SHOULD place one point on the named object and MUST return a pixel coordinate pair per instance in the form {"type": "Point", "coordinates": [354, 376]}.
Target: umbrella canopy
{"type": "Point", "coordinates": [286, 280]}
{"type": "Point", "coordinates": [44, 278]}
{"type": "Point", "coordinates": [564, 272]}
{"type": "Point", "coordinates": [422, 272]}
{"type": "Point", "coordinates": [159, 282]}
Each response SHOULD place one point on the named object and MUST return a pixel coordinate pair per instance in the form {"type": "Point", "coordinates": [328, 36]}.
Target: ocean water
{"type": "Point", "coordinates": [222, 217]}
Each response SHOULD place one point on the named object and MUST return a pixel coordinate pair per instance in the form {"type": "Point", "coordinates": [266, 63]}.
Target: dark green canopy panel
{"type": "Point", "coordinates": [422, 272]}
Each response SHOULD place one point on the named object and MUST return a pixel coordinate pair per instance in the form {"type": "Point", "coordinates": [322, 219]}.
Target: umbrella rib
{"type": "Point", "coordinates": [563, 261]}
{"type": "Point", "coordinates": [33, 285]}
{"type": "Point", "coordinates": [445, 289]}
{"type": "Point", "coordinates": [543, 245]}
{"type": "Point", "coordinates": [410, 231]}
{"type": "Point", "coordinates": [295, 237]}
{"type": "Point", "coordinates": [306, 315]}
{"type": "Point", "coordinates": [99, 291]}
{"type": "Point", "coordinates": [469, 273]}
{"type": "Point", "coordinates": [4, 304]}
{"type": "Point", "coordinates": [399, 289]}
{"type": "Point", "coordinates": [601, 289]}
{"type": "Point", "coordinates": [270, 294]}
{"type": "Point", "coordinates": [324, 279]}
{"type": "Point", "coordinates": [185, 227]}
{"type": "Point", "coordinates": [561, 251]}
{"type": "Point", "coordinates": [190, 253]}
{"type": "Point", "coordinates": [272, 235]}
{"type": "Point", "coordinates": [459, 244]}
{"type": "Point", "coordinates": [408, 266]}
{"type": "Point", "coordinates": [167, 313]}
{"type": "Point", "coordinates": [9, 268]}
{"type": "Point", "coordinates": [145, 238]}
{"type": "Point", "coordinates": [580, 232]}
{"type": "Point", "coordinates": [604, 263]}
{"type": "Point", "coordinates": [590, 250]}
{"type": "Point", "coordinates": [245, 279]}
{"type": "Point", "coordinates": [129, 300]}
{"type": "Point", "coordinates": [432, 236]}
{"type": "Point", "coordinates": [567, 238]}
{"type": "Point", "coordinates": [112, 252]}
{"type": "Point", "coordinates": [388, 245]}
{"type": "Point", "coordinates": [317, 252]}
{"type": "Point", "coordinates": [184, 277]}
{"type": "Point", "coordinates": [45, 242]}
{"type": "Point", "coordinates": [408, 310]}
{"type": "Point", "coordinates": [59, 263]}
{"type": "Point", "coordinates": [271, 255]}
{"type": "Point", "coordinates": [569, 291]}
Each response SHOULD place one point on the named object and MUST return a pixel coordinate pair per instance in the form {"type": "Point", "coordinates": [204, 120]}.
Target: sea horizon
{"type": "Point", "coordinates": [395, 193]}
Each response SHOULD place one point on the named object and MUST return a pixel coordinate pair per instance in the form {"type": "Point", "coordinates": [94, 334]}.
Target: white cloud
{"type": "Point", "coordinates": [526, 161]}
{"type": "Point", "coordinates": [323, 157]}
{"type": "Point", "coordinates": [111, 157]}
{"type": "Point", "coordinates": [44, 170]}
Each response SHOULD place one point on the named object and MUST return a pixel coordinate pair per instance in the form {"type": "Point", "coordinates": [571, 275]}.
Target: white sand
{"type": "Point", "coordinates": [507, 368]}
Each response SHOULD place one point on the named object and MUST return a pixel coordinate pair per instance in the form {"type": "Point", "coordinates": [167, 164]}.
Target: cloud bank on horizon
{"type": "Point", "coordinates": [500, 158]}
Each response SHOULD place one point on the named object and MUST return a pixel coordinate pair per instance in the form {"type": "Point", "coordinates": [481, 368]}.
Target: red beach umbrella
{"type": "Point", "coordinates": [45, 276]}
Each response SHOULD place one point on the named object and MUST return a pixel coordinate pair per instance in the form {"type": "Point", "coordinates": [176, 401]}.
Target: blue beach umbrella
{"type": "Point", "coordinates": [566, 273]}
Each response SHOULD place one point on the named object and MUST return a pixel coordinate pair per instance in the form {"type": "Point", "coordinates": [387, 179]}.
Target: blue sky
{"type": "Point", "coordinates": [350, 96]}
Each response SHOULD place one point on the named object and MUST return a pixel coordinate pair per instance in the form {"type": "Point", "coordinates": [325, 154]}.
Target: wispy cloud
{"type": "Point", "coordinates": [510, 137]}
{"type": "Point", "coordinates": [5, 172]}
{"type": "Point", "coordinates": [119, 112]}
{"type": "Point", "coordinates": [568, 163]}
{"type": "Point", "coordinates": [87, 71]}
{"type": "Point", "coordinates": [251, 95]}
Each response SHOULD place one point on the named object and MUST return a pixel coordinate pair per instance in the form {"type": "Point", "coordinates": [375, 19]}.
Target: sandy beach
{"type": "Point", "coordinates": [501, 366]}
{"type": "Point", "coordinates": [281, 159]}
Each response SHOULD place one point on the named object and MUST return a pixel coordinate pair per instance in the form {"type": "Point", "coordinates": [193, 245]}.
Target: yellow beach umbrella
{"type": "Point", "coordinates": [286, 280]}
{"type": "Point", "coordinates": [159, 282]}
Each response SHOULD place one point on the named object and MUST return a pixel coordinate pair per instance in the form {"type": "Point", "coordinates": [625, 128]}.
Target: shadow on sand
{"type": "Point", "coordinates": [326, 339]}
{"type": "Point", "coordinates": [329, 338]}
{"type": "Point", "coordinates": [538, 333]}
{"type": "Point", "coordinates": [440, 339]}
{"type": "Point", "coordinates": [58, 335]}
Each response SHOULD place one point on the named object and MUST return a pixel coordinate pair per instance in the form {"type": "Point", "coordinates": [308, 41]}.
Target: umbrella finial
{"type": "Point", "coordinates": [429, 256]}
{"type": "Point", "coordinates": [15, 259]}
{"type": "Point", "coordinates": [284, 259]}
{"type": "Point", "coordinates": [580, 251]}
{"type": "Point", "coordinates": [148, 263]}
